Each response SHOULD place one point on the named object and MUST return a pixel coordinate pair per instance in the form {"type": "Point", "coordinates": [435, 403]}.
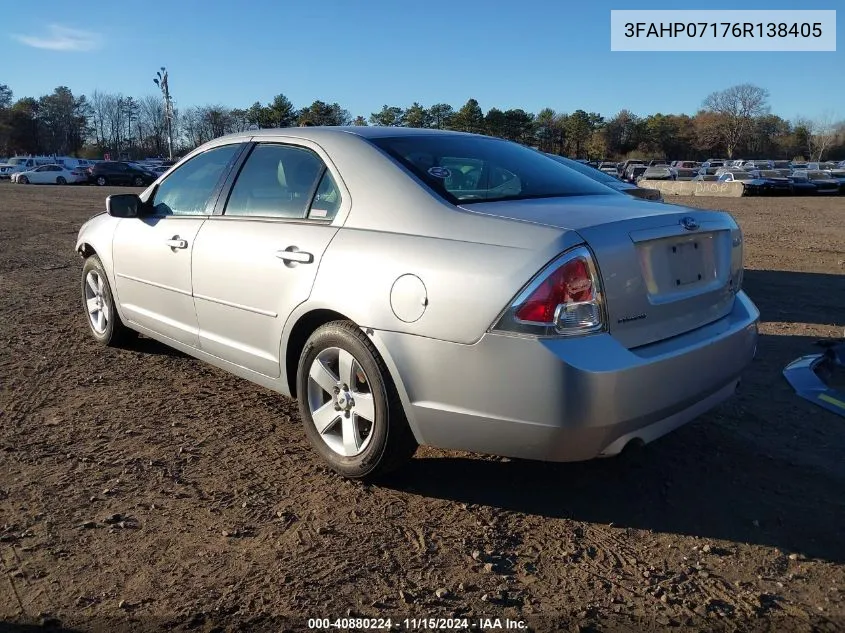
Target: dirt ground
{"type": "Point", "coordinates": [141, 489]}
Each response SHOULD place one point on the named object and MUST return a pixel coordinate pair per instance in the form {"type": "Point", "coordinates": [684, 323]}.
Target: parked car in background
{"type": "Point", "coordinates": [608, 168]}
{"type": "Point", "coordinates": [18, 164]}
{"type": "Point", "coordinates": [45, 175]}
{"type": "Point", "coordinates": [821, 166]}
{"type": "Point", "coordinates": [708, 171]}
{"type": "Point", "coordinates": [806, 181]}
{"type": "Point", "coordinates": [658, 172]}
{"type": "Point", "coordinates": [634, 172]}
{"type": "Point", "coordinates": [734, 176]}
{"type": "Point", "coordinates": [73, 163]}
{"type": "Point", "coordinates": [532, 313]}
{"type": "Point", "coordinates": [119, 173]}
{"type": "Point", "coordinates": [623, 168]}
{"type": "Point", "coordinates": [839, 176]}
{"type": "Point", "coordinates": [686, 164]}
{"type": "Point", "coordinates": [730, 170]}
{"type": "Point", "coordinates": [682, 173]}
{"type": "Point", "coordinates": [767, 182]}
{"type": "Point", "coordinates": [758, 164]}
{"type": "Point", "coordinates": [610, 181]}
{"type": "Point", "coordinates": [823, 181]}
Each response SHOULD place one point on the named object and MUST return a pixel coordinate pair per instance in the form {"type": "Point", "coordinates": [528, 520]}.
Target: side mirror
{"type": "Point", "coordinates": [123, 205]}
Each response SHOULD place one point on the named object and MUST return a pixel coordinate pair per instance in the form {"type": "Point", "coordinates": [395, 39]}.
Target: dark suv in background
{"type": "Point", "coordinates": [120, 173]}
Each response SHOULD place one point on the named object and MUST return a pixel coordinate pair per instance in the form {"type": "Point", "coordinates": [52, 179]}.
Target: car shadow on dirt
{"type": "Point", "coordinates": [797, 297]}
{"type": "Point", "coordinates": [153, 347]}
{"type": "Point", "coordinates": [763, 468]}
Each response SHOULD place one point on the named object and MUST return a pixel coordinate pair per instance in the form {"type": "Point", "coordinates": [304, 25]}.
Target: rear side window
{"type": "Point", "coordinates": [466, 169]}
{"type": "Point", "coordinates": [282, 181]}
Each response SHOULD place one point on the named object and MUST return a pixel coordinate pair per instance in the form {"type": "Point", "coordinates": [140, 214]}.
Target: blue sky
{"type": "Point", "coordinates": [365, 54]}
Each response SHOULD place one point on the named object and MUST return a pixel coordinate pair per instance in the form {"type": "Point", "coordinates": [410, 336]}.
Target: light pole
{"type": "Point", "coordinates": [130, 110]}
{"type": "Point", "coordinates": [161, 81]}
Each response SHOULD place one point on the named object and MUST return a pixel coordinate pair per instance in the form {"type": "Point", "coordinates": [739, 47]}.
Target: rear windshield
{"type": "Point", "coordinates": [590, 172]}
{"type": "Point", "coordinates": [465, 169]}
{"type": "Point", "coordinates": [770, 173]}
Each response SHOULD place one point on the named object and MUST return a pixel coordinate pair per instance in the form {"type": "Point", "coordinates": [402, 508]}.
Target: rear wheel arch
{"type": "Point", "coordinates": [304, 327]}
{"type": "Point", "coordinates": [390, 441]}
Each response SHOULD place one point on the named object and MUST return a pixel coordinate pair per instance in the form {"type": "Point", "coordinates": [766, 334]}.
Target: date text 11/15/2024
{"type": "Point", "coordinates": [416, 624]}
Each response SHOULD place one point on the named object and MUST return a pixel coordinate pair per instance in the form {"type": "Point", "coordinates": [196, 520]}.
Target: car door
{"type": "Point", "coordinates": [152, 253]}
{"type": "Point", "coordinates": [120, 175]}
{"type": "Point", "coordinates": [35, 176]}
{"type": "Point", "coordinates": [255, 262]}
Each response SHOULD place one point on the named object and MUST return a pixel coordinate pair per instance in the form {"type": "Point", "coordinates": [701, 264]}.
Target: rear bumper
{"type": "Point", "coordinates": [566, 399]}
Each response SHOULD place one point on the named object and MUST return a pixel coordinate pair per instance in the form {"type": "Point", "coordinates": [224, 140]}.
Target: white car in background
{"type": "Point", "coordinates": [49, 175]}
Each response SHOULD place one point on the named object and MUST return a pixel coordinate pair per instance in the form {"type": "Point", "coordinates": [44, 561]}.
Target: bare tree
{"type": "Point", "coordinates": [151, 124]}
{"type": "Point", "coordinates": [737, 106]}
{"type": "Point", "coordinates": [98, 117]}
{"type": "Point", "coordinates": [821, 133]}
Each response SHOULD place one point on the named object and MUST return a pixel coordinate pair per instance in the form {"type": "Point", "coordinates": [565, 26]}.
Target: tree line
{"type": "Point", "coordinates": [731, 123]}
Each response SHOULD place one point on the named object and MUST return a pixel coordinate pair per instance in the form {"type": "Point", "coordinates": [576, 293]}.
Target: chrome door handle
{"type": "Point", "coordinates": [300, 257]}
{"type": "Point", "coordinates": [177, 242]}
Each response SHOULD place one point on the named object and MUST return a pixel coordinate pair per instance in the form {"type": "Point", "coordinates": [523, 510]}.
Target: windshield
{"type": "Point", "coordinates": [741, 175]}
{"type": "Point", "coordinates": [465, 169]}
{"type": "Point", "coordinates": [17, 161]}
{"type": "Point", "coordinates": [818, 175]}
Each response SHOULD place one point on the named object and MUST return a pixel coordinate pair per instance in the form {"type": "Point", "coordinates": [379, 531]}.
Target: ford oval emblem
{"type": "Point", "coordinates": [690, 224]}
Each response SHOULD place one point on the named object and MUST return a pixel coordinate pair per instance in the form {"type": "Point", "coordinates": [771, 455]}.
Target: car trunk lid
{"type": "Point", "coordinates": [665, 269]}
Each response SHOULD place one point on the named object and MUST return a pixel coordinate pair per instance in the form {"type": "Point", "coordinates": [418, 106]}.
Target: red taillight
{"type": "Point", "coordinates": [570, 283]}
{"type": "Point", "coordinates": [563, 300]}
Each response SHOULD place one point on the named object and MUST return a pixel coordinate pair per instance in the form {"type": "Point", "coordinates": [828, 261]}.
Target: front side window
{"type": "Point", "coordinates": [465, 169]}
{"type": "Point", "coordinates": [187, 190]}
{"type": "Point", "coordinates": [278, 181]}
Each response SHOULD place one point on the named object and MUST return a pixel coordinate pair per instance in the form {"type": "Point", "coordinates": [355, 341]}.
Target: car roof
{"type": "Point", "coordinates": [315, 133]}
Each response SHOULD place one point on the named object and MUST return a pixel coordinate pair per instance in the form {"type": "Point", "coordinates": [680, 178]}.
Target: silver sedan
{"type": "Point", "coordinates": [422, 287]}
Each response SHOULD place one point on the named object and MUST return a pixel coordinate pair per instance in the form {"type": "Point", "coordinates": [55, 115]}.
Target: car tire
{"type": "Point", "coordinates": [138, 181]}
{"type": "Point", "coordinates": [22, 180]}
{"type": "Point", "coordinates": [101, 181]}
{"type": "Point", "coordinates": [97, 299]}
{"type": "Point", "coordinates": [378, 446]}
{"type": "Point", "coordinates": [61, 180]}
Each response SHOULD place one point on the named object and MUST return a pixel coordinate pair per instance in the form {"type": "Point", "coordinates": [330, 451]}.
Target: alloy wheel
{"type": "Point", "coordinates": [95, 301]}
{"type": "Point", "coordinates": [340, 402]}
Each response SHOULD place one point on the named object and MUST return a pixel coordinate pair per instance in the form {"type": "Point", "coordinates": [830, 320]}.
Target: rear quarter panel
{"type": "Point", "coordinates": [467, 283]}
